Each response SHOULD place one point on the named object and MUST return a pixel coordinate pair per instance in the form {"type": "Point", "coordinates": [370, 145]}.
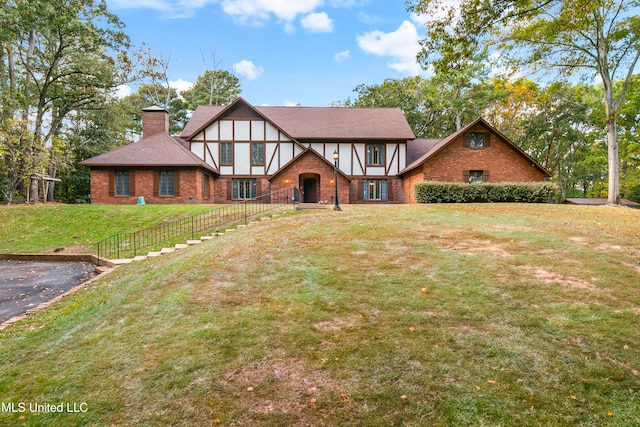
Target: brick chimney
{"type": "Point", "coordinates": [154, 120]}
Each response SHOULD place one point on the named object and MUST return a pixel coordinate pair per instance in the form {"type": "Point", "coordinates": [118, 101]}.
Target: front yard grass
{"type": "Point", "coordinates": [496, 314]}
{"type": "Point", "coordinates": [49, 227]}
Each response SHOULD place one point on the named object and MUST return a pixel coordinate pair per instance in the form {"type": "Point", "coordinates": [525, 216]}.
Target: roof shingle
{"type": "Point", "coordinates": [337, 123]}
{"type": "Point", "coordinates": [158, 150]}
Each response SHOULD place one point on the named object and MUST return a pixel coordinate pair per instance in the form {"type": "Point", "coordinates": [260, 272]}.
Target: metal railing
{"type": "Point", "coordinates": [132, 244]}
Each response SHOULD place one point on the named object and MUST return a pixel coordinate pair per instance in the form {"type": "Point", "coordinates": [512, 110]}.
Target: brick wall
{"type": "Point", "coordinates": [310, 163]}
{"type": "Point", "coordinates": [503, 163]}
{"type": "Point", "coordinates": [500, 159]}
{"type": "Point", "coordinates": [190, 188]}
{"type": "Point", "coordinates": [410, 179]}
{"type": "Point", "coordinates": [395, 190]}
{"type": "Point", "coordinates": [154, 122]}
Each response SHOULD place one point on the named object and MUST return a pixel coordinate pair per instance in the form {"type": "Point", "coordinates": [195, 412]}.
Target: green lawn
{"type": "Point", "coordinates": [47, 227]}
{"type": "Point", "coordinates": [483, 315]}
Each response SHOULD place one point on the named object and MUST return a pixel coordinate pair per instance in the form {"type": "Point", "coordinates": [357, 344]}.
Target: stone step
{"type": "Point", "coordinates": [193, 242]}
{"type": "Point", "coordinates": [302, 206]}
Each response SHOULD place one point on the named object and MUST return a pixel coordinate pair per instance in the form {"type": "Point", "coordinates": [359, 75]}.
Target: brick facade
{"type": "Point", "coordinates": [154, 121]}
{"type": "Point", "coordinates": [189, 187]}
{"type": "Point", "coordinates": [501, 160]}
{"type": "Point", "coordinates": [308, 165]}
{"type": "Point", "coordinates": [491, 157]}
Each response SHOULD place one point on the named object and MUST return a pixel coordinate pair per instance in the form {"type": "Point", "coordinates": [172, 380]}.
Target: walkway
{"type": "Point", "coordinates": [26, 284]}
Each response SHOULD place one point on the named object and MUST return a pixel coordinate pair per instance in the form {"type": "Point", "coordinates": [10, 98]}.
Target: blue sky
{"type": "Point", "coordinates": [285, 52]}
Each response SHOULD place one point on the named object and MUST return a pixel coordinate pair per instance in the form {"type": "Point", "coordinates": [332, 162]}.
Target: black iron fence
{"type": "Point", "coordinates": [132, 244]}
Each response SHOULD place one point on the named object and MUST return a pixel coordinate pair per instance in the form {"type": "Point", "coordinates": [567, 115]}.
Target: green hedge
{"type": "Point", "coordinates": [451, 192]}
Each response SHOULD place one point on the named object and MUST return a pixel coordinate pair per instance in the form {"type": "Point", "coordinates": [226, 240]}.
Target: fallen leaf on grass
{"type": "Point", "coordinates": [477, 387]}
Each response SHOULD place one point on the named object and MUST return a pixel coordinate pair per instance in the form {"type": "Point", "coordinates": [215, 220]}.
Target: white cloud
{"type": "Point", "coordinates": [317, 23]}
{"type": "Point", "coordinates": [401, 45]}
{"type": "Point", "coordinates": [288, 103]}
{"type": "Point", "coordinates": [173, 9]}
{"type": "Point", "coordinates": [181, 85]}
{"type": "Point", "coordinates": [247, 69]}
{"type": "Point", "coordinates": [342, 56]}
{"type": "Point", "coordinates": [123, 91]}
{"type": "Point", "coordinates": [259, 11]}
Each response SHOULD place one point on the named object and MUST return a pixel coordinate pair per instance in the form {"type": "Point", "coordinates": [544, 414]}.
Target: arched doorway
{"type": "Point", "coordinates": [310, 186]}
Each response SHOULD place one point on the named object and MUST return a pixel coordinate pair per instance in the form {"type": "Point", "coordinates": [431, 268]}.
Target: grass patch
{"type": "Point", "coordinates": [392, 315]}
{"type": "Point", "coordinates": [48, 227]}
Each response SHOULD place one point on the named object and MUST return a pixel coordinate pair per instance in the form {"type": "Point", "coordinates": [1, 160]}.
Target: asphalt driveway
{"type": "Point", "coordinates": [26, 284]}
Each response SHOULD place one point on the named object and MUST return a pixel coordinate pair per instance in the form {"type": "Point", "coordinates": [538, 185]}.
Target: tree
{"type": "Point", "coordinates": [92, 132]}
{"type": "Point", "coordinates": [559, 127]}
{"type": "Point", "coordinates": [213, 87]}
{"type": "Point", "coordinates": [629, 132]}
{"type": "Point", "coordinates": [586, 37]}
{"type": "Point", "coordinates": [60, 56]}
{"type": "Point", "coordinates": [161, 96]}
{"type": "Point", "coordinates": [412, 95]}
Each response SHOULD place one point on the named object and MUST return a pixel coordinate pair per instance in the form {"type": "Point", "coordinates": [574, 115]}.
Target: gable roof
{"type": "Point", "coordinates": [158, 150]}
{"type": "Point", "coordinates": [304, 123]}
{"type": "Point", "coordinates": [434, 146]}
{"type": "Point", "coordinates": [417, 147]}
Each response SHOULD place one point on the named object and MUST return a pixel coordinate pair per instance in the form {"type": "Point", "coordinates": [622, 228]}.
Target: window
{"type": "Point", "coordinates": [226, 153]}
{"type": "Point", "coordinates": [205, 186]}
{"type": "Point", "coordinates": [476, 140]}
{"type": "Point", "coordinates": [257, 153]}
{"type": "Point", "coordinates": [375, 189]}
{"type": "Point", "coordinates": [166, 183]}
{"type": "Point", "coordinates": [375, 154]}
{"type": "Point", "coordinates": [122, 183]}
{"type": "Point", "coordinates": [476, 176]}
{"type": "Point", "coordinates": [244, 188]}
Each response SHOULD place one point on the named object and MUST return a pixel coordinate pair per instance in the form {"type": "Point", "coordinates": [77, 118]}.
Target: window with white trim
{"type": "Point", "coordinates": [375, 189]}
{"type": "Point", "coordinates": [244, 188]}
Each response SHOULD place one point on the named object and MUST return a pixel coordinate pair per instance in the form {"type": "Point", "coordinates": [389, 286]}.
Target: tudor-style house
{"type": "Point", "coordinates": [240, 151]}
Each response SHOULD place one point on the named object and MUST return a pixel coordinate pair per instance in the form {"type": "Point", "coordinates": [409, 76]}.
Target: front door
{"type": "Point", "coordinates": [310, 189]}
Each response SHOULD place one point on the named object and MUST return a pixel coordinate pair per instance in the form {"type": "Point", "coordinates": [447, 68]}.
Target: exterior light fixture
{"type": "Point", "coordinates": [336, 206]}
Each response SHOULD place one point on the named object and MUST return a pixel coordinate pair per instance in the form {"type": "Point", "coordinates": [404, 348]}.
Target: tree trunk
{"type": "Point", "coordinates": [51, 186]}
{"type": "Point", "coordinates": [613, 198]}
{"type": "Point", "coordinates": [33, 190]}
